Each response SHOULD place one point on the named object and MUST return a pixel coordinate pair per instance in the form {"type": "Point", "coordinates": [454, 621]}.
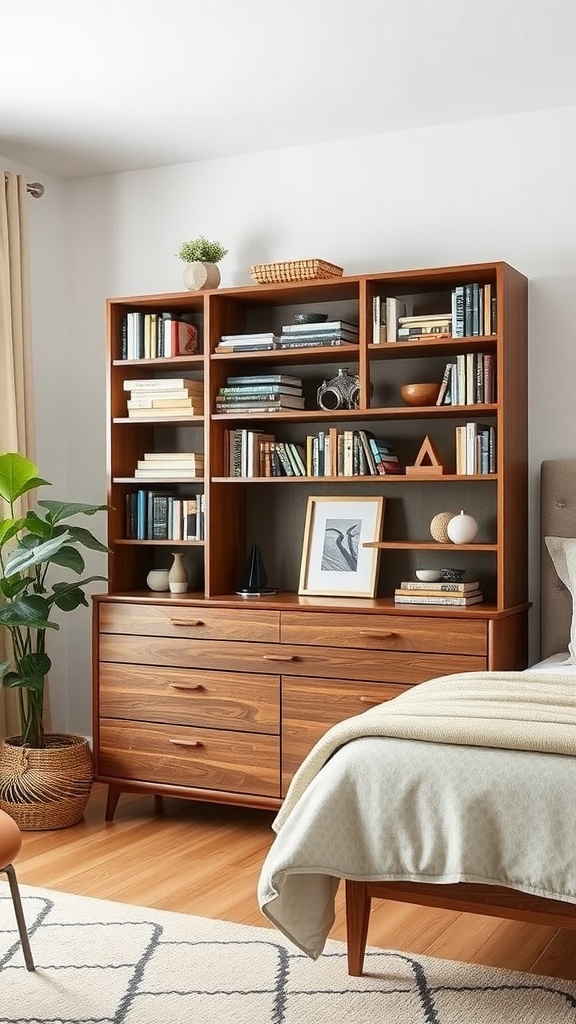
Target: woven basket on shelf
{"type": "Point", "coordinates": [46, 788]}
{"type": "Point", "coordinates": [294, 270]}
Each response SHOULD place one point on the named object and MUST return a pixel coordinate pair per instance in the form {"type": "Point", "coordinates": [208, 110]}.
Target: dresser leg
{"type": "Point", "coordinates": [112, 802]}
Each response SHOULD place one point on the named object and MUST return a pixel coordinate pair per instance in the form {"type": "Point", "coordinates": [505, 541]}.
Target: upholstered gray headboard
{"type": "Point", "coordinates": [557, 519]}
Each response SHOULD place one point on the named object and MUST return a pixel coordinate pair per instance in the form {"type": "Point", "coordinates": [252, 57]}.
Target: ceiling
{"type": "Point", "coordinates": [98, 86]}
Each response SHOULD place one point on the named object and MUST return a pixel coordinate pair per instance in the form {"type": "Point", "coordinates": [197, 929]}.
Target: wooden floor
{"type": "Point", "coordinates": [205, 859]}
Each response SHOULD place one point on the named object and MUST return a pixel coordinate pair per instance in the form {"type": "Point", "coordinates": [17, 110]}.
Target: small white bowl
{"type": "Point", "coordinates": [428, 575]}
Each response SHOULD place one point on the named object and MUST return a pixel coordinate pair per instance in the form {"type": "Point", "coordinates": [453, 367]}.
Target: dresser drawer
{"type": "Point", "coordinates": [179, 620]}
{"type": "Point", "coordinates": [386, 632]}
{"type": "Point", "coordinates": [311, 706]}
{"type": "Point", "coordinates": [325, 662]}
{"type": "Point", "coordinates": [185, 696]}
{"type": "Point", "coordinates": [202, 758]}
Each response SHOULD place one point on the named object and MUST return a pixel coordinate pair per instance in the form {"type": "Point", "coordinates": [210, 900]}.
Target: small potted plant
{"type": "Point", "coordinates": [45, 778]}
{"type": "Point", "coordinates": [201, 257]}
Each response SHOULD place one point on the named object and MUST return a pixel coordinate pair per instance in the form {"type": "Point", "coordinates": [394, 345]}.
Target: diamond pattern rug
{"type": "Point", "coordinates": [100, 962]}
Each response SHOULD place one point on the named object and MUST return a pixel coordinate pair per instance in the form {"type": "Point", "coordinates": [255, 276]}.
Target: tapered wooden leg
{"type": "Point", "coordinates": [357, 915]}
{"type": "Point", "coordinates": [15, 893]}
{"type": "Point", "coordinates": [112, 802]}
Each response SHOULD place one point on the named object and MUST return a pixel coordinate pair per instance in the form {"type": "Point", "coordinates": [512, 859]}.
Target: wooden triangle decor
{"type": "Point", "coordinates": [432, 467]}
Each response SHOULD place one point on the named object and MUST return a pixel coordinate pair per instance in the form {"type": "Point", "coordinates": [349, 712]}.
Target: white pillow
{"type": "Point", "coordinates": [563, 554]}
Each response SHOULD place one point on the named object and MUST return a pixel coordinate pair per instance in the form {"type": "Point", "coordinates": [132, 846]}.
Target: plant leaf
{"type": "Point", "coordinates": [83, 536]}
{"type": "Point", "coordinates": [58, 510]}
{"type": "Point", "coordinates": [22, 559]}
{"type": "Point", "coordinates": [70, 558]}
{"type": "Point", "coordinates": [29, 611]}
{"type": "Point", "coordinates": [68, 596]}
{"type": "Point", "coordinates": [31, 673]}
{"type": "Point", "coordinates": [17, 476]}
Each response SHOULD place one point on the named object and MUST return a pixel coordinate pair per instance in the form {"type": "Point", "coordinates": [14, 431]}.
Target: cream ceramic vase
{"type": "Point", "coordinates": [157, 579]}
{"type": "Point", "coordinates": [178, 577]}
{"type": "Point", "coordinates": [199, 275]}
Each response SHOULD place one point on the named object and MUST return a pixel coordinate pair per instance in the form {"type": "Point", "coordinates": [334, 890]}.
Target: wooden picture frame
{"type": "Point", "coordinates": [335, 562]}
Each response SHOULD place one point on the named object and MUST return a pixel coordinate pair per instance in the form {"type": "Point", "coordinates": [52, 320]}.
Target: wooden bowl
{"type": "Point", "coordinates": [420, 394]}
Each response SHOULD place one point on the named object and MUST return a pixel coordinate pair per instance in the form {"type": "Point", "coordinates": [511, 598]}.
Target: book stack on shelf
{"type": "Point", "coordinates": [350, 453]}
{"type": "Point", "coordinates": [419, 328]}
{"type": "Point", "coordinates": [158, 335]}
{"type": "Point", "coordinates": [160, 515]}
{"type": "Point", "coordinates": [316, 335]}
{"type": "Point", "coordinates": [170, 466]}
{"type": "Point", "coordinates": [473, 310]}
{"type": "Point", "coordinates": [386, 313]}
{"type": "Point", "coordinates": [457, 595]}
{"type": "Point", "coordinates": [263, 341]}
{"type": "Point", "coordinates": [468, 380]}
{"type": "Point", "coordinates": [267, 393]}
{"type": "Point", "coordinates": [475, 449]}
{"type": "Point", "coordinates": [164, 398]}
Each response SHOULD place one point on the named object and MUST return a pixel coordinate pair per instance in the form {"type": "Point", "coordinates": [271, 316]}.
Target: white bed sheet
{"type": "Point", "coordinates": [555, 663]}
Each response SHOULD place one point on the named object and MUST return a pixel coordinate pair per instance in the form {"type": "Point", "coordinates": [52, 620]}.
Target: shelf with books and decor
{"type": "Point", "coordinates": [217, 693]}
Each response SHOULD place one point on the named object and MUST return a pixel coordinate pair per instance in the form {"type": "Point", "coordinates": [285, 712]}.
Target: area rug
{"type": "Point", "coordinates": [100, 962]}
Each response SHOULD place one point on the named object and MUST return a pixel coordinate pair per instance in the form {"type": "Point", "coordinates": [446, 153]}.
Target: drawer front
{"type": "Point", "coordinates": [324, 662]}
{"type": "Point", "coordinates": [311, 706]}
{"type": "Point", "coordinates": [386, 632]}
{"type": "Point", "coordinates": [202, 758]}
{"type": "Point", "coordinates": [177, 620]}
{"type": "Point", "coordinates": [177, 696]}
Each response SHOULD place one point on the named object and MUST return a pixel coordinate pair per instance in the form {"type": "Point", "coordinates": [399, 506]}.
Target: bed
{"type": "Point", "coordinates": [485, 826]}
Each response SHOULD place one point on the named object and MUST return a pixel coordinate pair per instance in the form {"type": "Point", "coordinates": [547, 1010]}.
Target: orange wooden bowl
{"type": "Point", "coordinates": [420, 394]}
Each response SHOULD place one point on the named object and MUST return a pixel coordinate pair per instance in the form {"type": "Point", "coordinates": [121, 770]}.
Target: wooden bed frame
{"type": "Point", "coordinates": [557, 518]}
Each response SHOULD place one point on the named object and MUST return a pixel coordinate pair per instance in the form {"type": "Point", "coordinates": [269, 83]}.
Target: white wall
{"type": "Point", "coordinates": [499, 189]}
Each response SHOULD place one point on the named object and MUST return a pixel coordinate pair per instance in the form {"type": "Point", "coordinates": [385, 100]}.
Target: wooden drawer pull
{"type": "Point", "coordinates": [379, 634]}
{"type": "Point", "coordinates": [186, 622]}
{"type": "Point", "coordinates": [187, 686]}
{"type": "Point", "coordinates": [186, 743]}
{"type": "Point", "coordinates": [280, 657]}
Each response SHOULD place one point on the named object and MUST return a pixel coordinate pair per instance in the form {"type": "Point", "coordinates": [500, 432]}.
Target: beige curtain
{"type": "Point", "coordinates": [16, 388]}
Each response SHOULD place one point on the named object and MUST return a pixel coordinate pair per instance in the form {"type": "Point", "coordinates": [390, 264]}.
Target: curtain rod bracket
{"type": "Point", "coordinates": [35, 189]}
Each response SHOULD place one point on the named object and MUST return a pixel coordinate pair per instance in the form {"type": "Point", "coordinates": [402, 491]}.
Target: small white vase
{"type": "Point", "coordinates": [157, 579]}
{"type": "Point", "coordinates": [199, 275]}
{"type": "Point", "coordinates": [462, 529]}
{"type": "Point", "coordinates": [178, 577]}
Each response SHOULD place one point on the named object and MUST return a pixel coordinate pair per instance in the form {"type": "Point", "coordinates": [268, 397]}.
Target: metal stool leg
{"type": "Point", "coordinates": [15, 892]}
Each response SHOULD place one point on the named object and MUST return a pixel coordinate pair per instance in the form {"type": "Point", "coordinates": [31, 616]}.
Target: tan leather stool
{"type": "Point", "coordinates": [10, 843]}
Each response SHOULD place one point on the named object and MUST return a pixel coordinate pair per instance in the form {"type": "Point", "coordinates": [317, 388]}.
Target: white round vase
{"type": "Point", "coordinates": [462, 529]}
{"type": "Point", "coordinates": [157, 579]}
{"type": "Point", "coordinates": [199, 276]}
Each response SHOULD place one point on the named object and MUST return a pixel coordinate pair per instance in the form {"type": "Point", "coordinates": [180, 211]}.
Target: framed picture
{"type": "Point", "coordinates": [334, 560]}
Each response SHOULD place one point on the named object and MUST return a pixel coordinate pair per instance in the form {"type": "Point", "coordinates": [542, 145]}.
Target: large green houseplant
{"type": "Point", "coordinates": [34, 548]}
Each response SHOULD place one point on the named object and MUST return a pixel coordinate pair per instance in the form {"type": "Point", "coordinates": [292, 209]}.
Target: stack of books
{"type": "Point", "coordinates": [170, 466]}
{"type": "Point", "coordinates": [164, 398]}
{"type": "Point", "coordinates": [333, 332]}
{"type": "Point", "coordinates": [159, 515]}
{"type": "Point", "coordinates": [259, 342]}
{"type": "Point", "coordinates": [420, 328]}
{"type": "Point", "coordinates": [459, 595]}
{"type": "Point", "coordinates": [158, 335]}
{"type": "Point", "coordinates": [268, 393]}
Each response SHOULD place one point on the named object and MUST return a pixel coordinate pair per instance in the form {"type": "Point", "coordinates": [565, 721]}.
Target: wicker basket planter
{"type": "Point", "coordinates": [294, 270]}
{"type": "Point", "coordinates": [46, 788]}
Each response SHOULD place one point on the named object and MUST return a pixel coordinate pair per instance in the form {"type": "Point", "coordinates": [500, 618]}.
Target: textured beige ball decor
{"type": "Point", "coordinates": [439, 525]}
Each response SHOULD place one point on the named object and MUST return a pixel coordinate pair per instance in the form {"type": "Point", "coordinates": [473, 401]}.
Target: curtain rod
{"type": "Point", "coordinates": [35, 189]}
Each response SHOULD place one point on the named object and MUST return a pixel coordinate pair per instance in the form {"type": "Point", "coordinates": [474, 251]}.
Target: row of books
{"type": "Point", "coordinates": [335, 332]}
{"type": "Point", "coordinates": [158, 515]}
{"type": "Point", "coordinates": [170, 466]}
{"type": "Point", "coordinates": [260, 393]}
{"type": "Point", "coordinates": [164, 397]}
{"type": "Point", "coordinates": [472, 313]}
{"type": "Point", "coordinates": [468, 380]}
{"type": "Point", "coordinates": [475, 449]}
{"type": "Point", "coordinates": [458, 595]}
{"type": "Point", "coordinates": [330, 453]}
{"type": "Point", "coordinates": [158, 335]}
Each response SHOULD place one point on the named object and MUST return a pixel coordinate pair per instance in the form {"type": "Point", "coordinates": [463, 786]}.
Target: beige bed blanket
{"type": "Point", "coordinates": [510, 710]}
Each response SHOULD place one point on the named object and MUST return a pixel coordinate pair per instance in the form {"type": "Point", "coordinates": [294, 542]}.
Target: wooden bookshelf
{"type": "Point", "coordinates": [217, 733]}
